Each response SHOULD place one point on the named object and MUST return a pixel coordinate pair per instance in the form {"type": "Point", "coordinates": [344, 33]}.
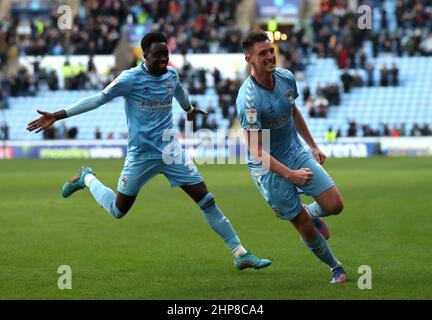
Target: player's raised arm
{"type": "Point", "coordinates": [121, 86]}
{"type": "Point", "coordinates": [47, 119]}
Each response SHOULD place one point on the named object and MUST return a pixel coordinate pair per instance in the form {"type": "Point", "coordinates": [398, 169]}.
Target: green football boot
{"type": "Point", "coordinates": [250, 261]}
{"type": "Point", "coordinates": [77, 182]}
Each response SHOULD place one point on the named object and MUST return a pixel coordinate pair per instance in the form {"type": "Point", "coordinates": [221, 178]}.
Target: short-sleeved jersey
{"type": "Point", "coordinates": [260, 108]}
{"type": "Point", "coordinates": [148, 106]}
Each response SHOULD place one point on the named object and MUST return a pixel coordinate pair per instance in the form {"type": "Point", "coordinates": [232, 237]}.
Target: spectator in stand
{"type": "Point", "coordinates": [363, 59]}
{"type": "Point", "coordinates": [72, 133]}
{"type": "Point", "coordinates": [52, 81]}
{"type": "Point", "coordinates": [98, 134]}
{"type": "Point", "coordinates": [347, 80]}
{"type": "Point", "coordinates": [21, 84]}
{"type": "Point", "coordinates": [394, 75]}
{"type": "Point", "coordinates": [4, 103]}
{"type": "Point", "coordinates": [399, 13]}
{"type": "Point", "coordinates": [321, 105]}
{"type": "Point", "coordinates": [426, 131]}
{"type": "Point", "coordinates": [370, 75]}
{"type": "Point", "coordinates": [310, 105]}
{"type": "Point", "coordinates": [416, 131]}
{"type": "Point", "coordinates": [395, 132]}
{"type": "Point", "coordinates": [352, 129]}
{"type": "Point", "coordinates": [306, 93]}
{"type": "Point", "coordinates": [216, 77]}
{"type": "Point", "coordinates": [330, 135]}
{"type": "Point", "coordinates": [384, 76]}
{"type": "Point", "coordinates": [385, 130]}
{"type": "Point", "coordinates": [4, 131]}
{"type": "Point", "coordinates": [426, 46]}
{"type": "Point", "coordinates": [402, 130]}
{"type": "Point", "coordinates": [357, 81]}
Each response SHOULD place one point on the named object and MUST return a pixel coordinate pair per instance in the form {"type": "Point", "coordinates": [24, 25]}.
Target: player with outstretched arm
{"type": "Point", "coordinates": [148, 90]}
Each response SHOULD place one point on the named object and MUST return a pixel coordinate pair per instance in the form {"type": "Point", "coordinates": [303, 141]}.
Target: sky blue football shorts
{"type": "Point", "coordinates": [283, 196]}
{"type": "Point", "coordinates": [137, 172]}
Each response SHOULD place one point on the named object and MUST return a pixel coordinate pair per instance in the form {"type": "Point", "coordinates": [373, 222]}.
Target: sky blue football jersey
{"type": "Point", "coordinates": [260, 108]}
{"type": "Point", "coordinates": [148, 105]}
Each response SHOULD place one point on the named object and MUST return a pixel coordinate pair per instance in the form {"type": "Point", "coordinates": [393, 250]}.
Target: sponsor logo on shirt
{"type": "Point", "coordinates": [156, 105]}
{"type": "Point", "coordinates": [280, 121]}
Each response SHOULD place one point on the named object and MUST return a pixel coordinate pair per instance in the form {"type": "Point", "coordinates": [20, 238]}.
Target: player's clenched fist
{"type": "Point", "coordinates": [301, 177]}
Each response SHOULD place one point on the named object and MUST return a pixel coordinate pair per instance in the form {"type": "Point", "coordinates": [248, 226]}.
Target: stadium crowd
{"type": "Point", "coordinates": [195, 26]}
{"type": "Point", "coordinates": [336, 33]}
{"type": "Point", "coordinates": [192, 26]}
{"type": "Point", "coordinates": [398, 130]}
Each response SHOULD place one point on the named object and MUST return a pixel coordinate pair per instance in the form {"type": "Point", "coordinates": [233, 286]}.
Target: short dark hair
{"type": "Point", "coordinates": [152, 37]}
{"type": "Point", "coordinates": [253, 37]}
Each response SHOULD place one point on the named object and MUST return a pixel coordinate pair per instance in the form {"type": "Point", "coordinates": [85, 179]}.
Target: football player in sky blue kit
{"type": "Point", "coordinates": [265, 105]}
{"type": "Point", "coordinates": [148, 90]}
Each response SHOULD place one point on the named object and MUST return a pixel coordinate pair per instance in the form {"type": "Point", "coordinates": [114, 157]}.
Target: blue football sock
{"type": "Point", "coordinates": [315, 211]}
{"type": "Point", "coordinates": [218, 221]}
{"type": "Point", "coordinates": [105, 197]}
{"type": "Point", "coordinates": [322, 250]}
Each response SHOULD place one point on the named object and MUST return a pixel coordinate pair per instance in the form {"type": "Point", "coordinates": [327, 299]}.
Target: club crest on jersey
{"type": "Point", "coordinates": [251, 115]}
{"type": "Point", "coordinates": [289, 93]}
{"type": "Point", "coordinates": [123, 181]}
{"type": "Point", "coordinates": [170, 87]}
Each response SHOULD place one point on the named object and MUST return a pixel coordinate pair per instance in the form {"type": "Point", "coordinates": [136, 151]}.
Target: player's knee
{"type": "Point", "coordinates": [118, 213]}
{"type": "Point", "coordinates": [207, 201]}
{"type": "Point", "coordinates": [337, 207]}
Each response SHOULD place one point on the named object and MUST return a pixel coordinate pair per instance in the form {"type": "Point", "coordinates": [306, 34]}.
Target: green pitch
{"type": "Point", "coordinates": [163, 249]}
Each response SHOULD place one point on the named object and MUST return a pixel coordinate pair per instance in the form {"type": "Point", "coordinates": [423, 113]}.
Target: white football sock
{"type": "Point", "coordinates": [239, 251]}
{"type": "Point", "coordinates": [89, 177]}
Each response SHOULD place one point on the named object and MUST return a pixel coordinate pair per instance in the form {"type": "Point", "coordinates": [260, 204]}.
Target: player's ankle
{"type": "Point", "coordinates": [239, 251]}
{"type": "Point", "coordinates": [88, 178]}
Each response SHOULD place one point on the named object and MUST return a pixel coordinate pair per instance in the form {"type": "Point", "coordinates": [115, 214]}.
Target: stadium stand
{"type": "Point", "coordinates": [400, 35]}
{"type": "Point", "coordinates": [408, 103]}
{"type": "Point", "coordinates": [379, 104]}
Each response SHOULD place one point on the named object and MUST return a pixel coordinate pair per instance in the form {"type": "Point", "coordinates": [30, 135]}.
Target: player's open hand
{"type": "Point", "coordinates": [318, 154]}
{"type": "Point", "coordinates": [191, 115]}
{"type": "Point", "coordinates": [301, 177]}
{"type": "Point", "coordinates": [43, 122]}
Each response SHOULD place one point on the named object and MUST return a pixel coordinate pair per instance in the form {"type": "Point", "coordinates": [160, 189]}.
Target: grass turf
{"type": "Point", "coordinates": [163, 249]}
